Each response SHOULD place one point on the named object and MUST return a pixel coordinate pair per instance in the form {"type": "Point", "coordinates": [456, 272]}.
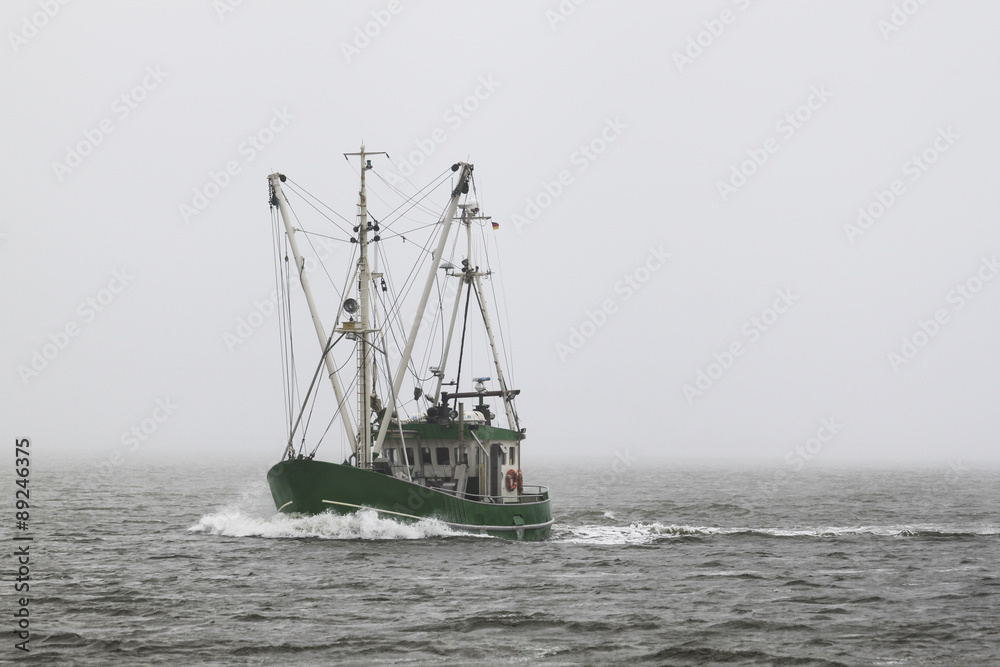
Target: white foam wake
{"type": "Point", "coordinates": [646, 533]}
{"type": "Point", "coordinates": [361, 525]}
{"type": "Point", "coordinates": [634, 533]}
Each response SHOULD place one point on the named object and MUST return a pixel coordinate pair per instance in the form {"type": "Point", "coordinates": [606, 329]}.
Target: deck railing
{"type": "Point", "coordinates": [540, 494]}
{"type": "Point", "coordinates": [530, 494]}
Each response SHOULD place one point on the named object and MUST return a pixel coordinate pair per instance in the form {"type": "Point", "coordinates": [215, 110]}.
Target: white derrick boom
{"type": "Point", "coordinates": [397, 379]}
{"type": "Point", "coordinates": [454, 313]}
{"type": "Point", "coordinates": [275, 182]}
{"type": "Point", "coordinates": [511, 424]}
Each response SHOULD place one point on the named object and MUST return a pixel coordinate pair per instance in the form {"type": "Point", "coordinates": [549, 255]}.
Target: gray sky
{"type": "Point", "coordinates": [719, 220]}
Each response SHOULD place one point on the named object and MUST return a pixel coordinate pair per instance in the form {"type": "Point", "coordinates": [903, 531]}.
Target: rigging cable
{"type": "Point", "coordinates": [397, 299]}
{"type": "Point", "coordinates": [342, 292]}
{"type": "Point", "coordinates": [293, 381]}
{"type": "Point", "coordinates": [507, 358]}
{"type": "Point", "coordinates": [416, 205]}
{"type": "Point", "coordinates": [443, 176]}
{"type": "Point", "coordinates": [339, 406]}
{"type": "Point", "coordinates": [505, 318]}
{"type": "Point", "coordinates": [461, 349]}
{"type": "Point", "coordinates": [275, 245]}
{"type": "Point", "coordinates": [322, 359]}
{"type": "Point", "coordinates": [432, 185]}
{"type": "Point", "coordinates": [504, 386]}
{"type": "Point", "coordinates": [295, 187]}
{"type": "Point", "coordinates": [309, 241]}
{"type": "Point", "coordinates": [336, 413]}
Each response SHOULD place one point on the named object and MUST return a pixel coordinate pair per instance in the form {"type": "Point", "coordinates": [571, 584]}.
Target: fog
{"type": "Point", "coordinates": [728, 230]}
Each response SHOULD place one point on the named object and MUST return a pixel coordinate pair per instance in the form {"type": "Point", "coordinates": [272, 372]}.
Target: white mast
{"type": "Point", "coordinates": [365, 380]}
{"type": "Point", "coordinates": [279, 198]}
{"type": "Point", "coordinates": [473, 274]}
{"type": "Point", "coordinates": [397, 379]}
{"type": "Point", "coordinates": [468, 276]}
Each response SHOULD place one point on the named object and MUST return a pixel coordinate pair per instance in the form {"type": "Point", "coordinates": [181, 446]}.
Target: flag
{"type": "Point", "coordinates": [496, 225]}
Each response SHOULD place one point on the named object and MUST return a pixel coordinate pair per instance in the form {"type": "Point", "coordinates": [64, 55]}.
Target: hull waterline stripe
{"type": "Point", "coordinates": [285, 505]}
{"type": "Point", "coordinates": [532, 526]}
{"type": "Point", "coordinates": [463, 526]}
{"type": "Point", "coordinates": [362, 507]}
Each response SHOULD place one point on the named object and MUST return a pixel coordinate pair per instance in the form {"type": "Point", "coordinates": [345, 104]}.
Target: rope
{"type": "Point", "coordinates": [294, 186]}
{"type": "Point", "coordinates": [275, 246]}
{"type": "Point", "coordinates": [461, 349]}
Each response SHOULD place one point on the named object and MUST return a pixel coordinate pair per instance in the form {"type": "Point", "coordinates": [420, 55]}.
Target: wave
{"type": "Point", "coordinates": [361, 525]}
{"type": "Point", "coordinates": [638, 533]}
{"type": "Point", "coordinates": [499, 620]}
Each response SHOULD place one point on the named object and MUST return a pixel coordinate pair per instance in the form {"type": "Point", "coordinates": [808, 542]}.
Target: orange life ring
{"type": "Point", "coordinates": [511, 480]}
{"type": "Point", "coordinates": [520, 481]}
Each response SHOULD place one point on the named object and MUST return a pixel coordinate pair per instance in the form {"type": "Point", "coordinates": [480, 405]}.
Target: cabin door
{"type": "Point", "coordinates": [496, 466]}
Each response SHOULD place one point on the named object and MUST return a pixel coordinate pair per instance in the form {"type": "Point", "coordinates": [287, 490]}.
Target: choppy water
{"type": "Point", "coordinates": [677, 566]}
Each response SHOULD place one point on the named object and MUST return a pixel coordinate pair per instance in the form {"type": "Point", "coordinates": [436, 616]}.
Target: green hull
{"type": "Point", "coordinates": [311, 487]}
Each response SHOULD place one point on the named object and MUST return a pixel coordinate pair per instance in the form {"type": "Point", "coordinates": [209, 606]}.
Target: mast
{"type": "Point", "coordinates": [279, 198]}
{"type": "Point", "coordinates": [454, 309]}
{"type": "Point", "coordinates": [397, 380]}
{"type": "Point", "coordinates": [365, 358]}
{"type": "Point", "coordinates": [473, 274]}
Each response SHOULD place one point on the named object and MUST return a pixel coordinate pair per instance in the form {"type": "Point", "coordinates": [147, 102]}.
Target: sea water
{"type": "Point", "coordinates": [186, 564]}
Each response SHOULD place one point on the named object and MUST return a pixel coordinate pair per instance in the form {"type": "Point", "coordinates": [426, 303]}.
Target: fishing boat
{"type": "Point", "coordinates": [443, 454]}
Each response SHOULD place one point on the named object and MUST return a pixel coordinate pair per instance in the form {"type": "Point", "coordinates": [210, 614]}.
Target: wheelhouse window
{"type": "Point", "coordinates": [511, 453]}
{"type": "Point", "coordinates": [409, 455]}
{"type": "Point", "coordinates": [442, 456]}
{"type": "Point", "coordinates": [392, 456]}
{"type": "Point", "coordinates": [425, 456]}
